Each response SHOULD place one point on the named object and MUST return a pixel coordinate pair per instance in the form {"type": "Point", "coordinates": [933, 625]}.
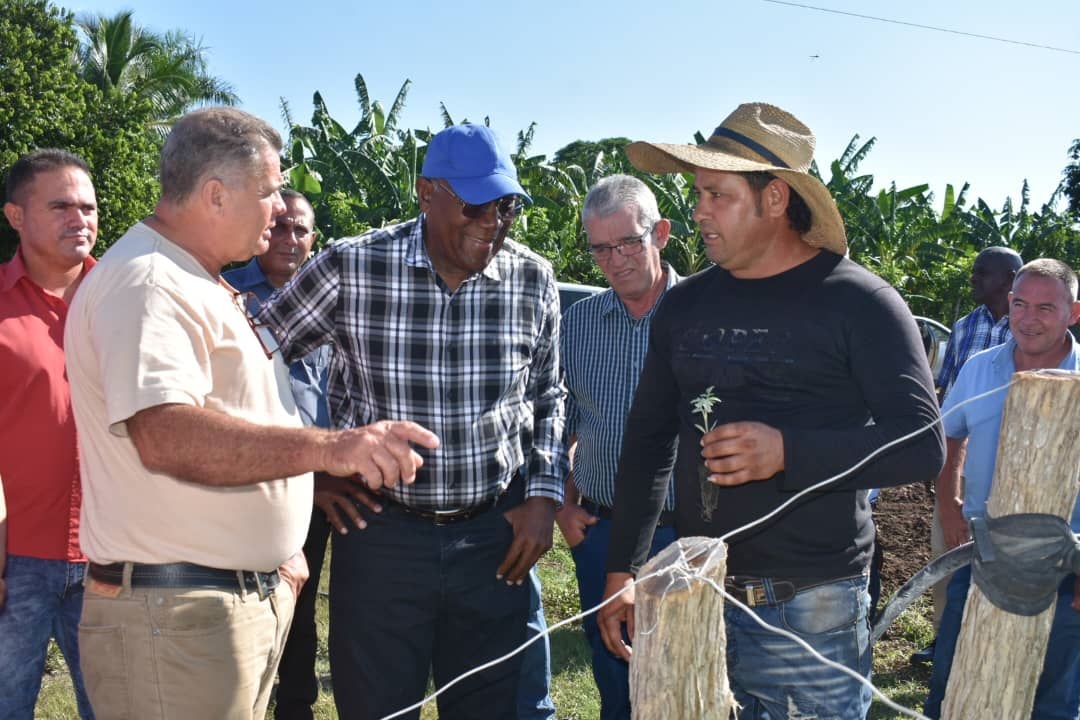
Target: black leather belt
{"type": "Point", "coordinates": [752, 590]}
{"type": "Point", "coordinates": [441, 517]}
{"type": "Point", "coordinates": [173, 575]}
{"type": "Point", "coordinates": [513, 492]}
{"type": "Point", "coordinates": [667, 517]}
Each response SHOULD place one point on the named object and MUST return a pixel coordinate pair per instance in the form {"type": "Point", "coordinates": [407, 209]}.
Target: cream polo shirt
{"type": "Point", "coordinates": [149, 326]}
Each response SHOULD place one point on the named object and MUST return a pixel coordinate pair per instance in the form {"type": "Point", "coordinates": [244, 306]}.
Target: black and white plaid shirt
{"type": "Point", "coordinates": [479, 367]}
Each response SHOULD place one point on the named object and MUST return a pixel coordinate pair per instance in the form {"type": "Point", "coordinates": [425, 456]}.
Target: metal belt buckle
{"type": "Point", "coordinates": [752, 597]}
{"type": "Point", "coordinates": [442, 517]}
{"type": "Point", "coordinates": [260, 585]}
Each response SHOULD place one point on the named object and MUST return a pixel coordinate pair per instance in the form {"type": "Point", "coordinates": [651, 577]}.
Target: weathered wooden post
{"type": "Point", "coordinates": [679, 666]}
{"type": "Point", "coordinates": [999, 656]}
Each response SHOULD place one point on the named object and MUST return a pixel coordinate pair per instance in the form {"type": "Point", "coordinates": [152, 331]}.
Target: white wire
{"type": "Point", "coordinates": [794, 498]}
{"type": "Point", "coordinates": [815, 654]}
{"type": "Point", "coordinates": [527, 643]}
{"type": "Point", "coordinates": [840, 475]}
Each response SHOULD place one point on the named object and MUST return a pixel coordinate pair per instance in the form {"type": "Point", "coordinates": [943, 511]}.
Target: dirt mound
{"type": "Point", "coordinates": [903, 517]}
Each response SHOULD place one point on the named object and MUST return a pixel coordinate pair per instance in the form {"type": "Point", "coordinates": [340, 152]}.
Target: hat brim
{"type": "Point", "coordinates": [481, 190]}
{"type": "Point", "coordinates": [826, 225]}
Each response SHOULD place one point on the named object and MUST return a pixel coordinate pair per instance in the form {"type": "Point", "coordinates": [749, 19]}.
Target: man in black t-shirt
{"type": "Point", "coordinates": [782, 367]}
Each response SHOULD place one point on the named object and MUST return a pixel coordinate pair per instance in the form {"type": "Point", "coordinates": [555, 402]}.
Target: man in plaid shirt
{"type": "Point", "coordinates": [444, 321]}
{"type": "Point", "coordinates": [988, 324]}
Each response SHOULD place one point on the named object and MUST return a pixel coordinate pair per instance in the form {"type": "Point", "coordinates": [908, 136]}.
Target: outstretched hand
{"type": "Point", "coordinates": [380, 453]}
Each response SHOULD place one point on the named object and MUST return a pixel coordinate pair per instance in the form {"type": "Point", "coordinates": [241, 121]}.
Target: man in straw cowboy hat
{"type": "Point", "coordinates": [785, 365]}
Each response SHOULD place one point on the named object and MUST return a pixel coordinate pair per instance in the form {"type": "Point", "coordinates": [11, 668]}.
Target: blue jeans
{"type": "Point", "coordinates": [44, 599]}
{"type": "Point", "coordinates": [773, 677]}
{"type": "Point", "coordinates": [409, 597]}
{"type": "Point", "coordinates": [1058, 695]}
{"type": "Point", "coordinates": [612, 674]}
{"type": "Point", "coordinates": [534, 699]}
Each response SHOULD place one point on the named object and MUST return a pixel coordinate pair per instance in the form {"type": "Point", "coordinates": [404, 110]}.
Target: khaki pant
{"type": "Point", "coordinates": [157, 653]}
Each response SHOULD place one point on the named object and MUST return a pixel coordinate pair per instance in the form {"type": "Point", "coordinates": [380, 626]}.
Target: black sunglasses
{"type": "Point", "coordinates": [506, 208]}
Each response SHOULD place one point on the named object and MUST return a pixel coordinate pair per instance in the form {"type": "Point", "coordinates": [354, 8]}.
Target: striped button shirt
{"type": "Point", "coordinates": [971, 334]}
{"type": "Point", "coordinates": [603, 350]}
{"type": "Point", "coordinates": [478, 367]}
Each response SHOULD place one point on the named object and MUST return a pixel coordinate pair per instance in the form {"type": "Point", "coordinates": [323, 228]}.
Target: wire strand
{"type": "Point", "coordinates": [692, 556]}
{"type": "Point", "coordinates": [924, 27]}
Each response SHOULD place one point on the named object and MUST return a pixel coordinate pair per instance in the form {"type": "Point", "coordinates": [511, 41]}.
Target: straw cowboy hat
{"type": "Point", "coordinates": [756, 137]}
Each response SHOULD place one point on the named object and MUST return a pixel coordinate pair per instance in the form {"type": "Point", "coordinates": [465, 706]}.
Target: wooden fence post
{"type": "Point", "coordinates": [999, 656]}
{"type": "Point", "coordinates": [679, 666]}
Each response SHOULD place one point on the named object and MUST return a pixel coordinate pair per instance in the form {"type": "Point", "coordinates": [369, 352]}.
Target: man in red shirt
{"type": "Point", "coordinates": [50, 203]}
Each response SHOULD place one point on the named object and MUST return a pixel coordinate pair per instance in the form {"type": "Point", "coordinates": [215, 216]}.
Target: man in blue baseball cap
{"type": "Point", "coordinates": [443, 320]}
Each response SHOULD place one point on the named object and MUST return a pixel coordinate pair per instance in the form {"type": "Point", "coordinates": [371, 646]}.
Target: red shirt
{"type": "Point", "coordinates": [39, 462]}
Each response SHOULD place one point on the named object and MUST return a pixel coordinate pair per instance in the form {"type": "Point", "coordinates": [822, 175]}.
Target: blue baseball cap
{"type": "Point", "coordinates": [475, 164]}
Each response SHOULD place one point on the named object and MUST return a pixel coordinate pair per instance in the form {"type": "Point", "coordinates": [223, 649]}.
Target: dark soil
{"type": "Point", "coordinates": [903, 518]}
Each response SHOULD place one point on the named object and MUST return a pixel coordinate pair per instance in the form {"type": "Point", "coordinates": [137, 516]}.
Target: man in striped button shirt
{"type": "Point", "coordinates": [443, 320]}
{"type": "Point", "coordinates": [603, 347]}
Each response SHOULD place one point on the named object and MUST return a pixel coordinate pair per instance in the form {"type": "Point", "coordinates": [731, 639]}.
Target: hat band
{"type": "Point", "coordinates": [751, 144]}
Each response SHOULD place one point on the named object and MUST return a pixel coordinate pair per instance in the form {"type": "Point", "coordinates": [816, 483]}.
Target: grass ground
{"type": "Point", "coordinates": [572, 685]}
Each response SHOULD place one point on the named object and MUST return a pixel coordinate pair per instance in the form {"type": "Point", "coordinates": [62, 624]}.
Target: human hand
{"type": "Point", "coordinates": [533, 522]}
{"type": "Point", "coordinates": [954, 528]}
{"type": "Point", "coordinates": [379, 453]}
{"type": "Point", "coordinates": [294, 571]}
{"type": "Point", "coordinates": [3, 592]}
{"type": "Point", "coordinates": [1075, 602]}
{"type": "Point", "coordinates": [336, 495]}
{"type": "Point", "coordinates": [574, 521]}
{"type": "Point", "coordinates": [741, 452]}
{"type": "Point", "coordinates": [617, 613]}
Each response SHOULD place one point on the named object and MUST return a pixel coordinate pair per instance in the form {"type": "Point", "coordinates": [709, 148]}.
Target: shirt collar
{"type": "Point", "coordinates": [611, 302]}
{"type": "Point", "coordinates": [15, 269]}
{"type": "Point", "coordinates": [1003, 358]}
{"type": "Point", "coordinates": [416, 254]}
{"type": "Point", "coordinates": [252, 273]}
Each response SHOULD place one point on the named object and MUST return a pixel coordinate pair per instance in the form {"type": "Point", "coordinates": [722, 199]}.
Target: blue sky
{"type": "Point", "coordinates": [944, 107]}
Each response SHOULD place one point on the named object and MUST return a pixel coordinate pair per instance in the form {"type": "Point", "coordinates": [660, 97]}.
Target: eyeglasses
{"type": "Point", "coordinates": [506, 208]}
{"type": "Point", "coordinates": [627, 248]}
{"type": "Point", "coordinates": [249, 304]}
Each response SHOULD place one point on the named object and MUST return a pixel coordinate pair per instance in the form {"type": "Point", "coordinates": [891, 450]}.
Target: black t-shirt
{"type": "Point", "coordinates": [828, 354]}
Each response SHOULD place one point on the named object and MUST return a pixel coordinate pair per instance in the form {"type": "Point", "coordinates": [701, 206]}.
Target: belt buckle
{"type": "Point", "coordinates": [751, 593]}
{"type": "Point", "coordinates": [755, 595]}
{"type": "Point", "coordinates": [260, 585]}
{"type": "Point", "coordinates": [445, 517]}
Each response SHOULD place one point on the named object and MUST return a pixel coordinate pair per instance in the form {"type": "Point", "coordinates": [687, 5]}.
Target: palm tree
{"type": "Point", "coordinates": [167, 71]}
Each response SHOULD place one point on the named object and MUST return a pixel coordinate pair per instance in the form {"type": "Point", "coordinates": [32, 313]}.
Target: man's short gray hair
{"type": "Point", "coordinates": [1050, 268]}
{"type": "Point", "coordinates": [221, 142]}
{"type": "Point", "coordinates": [615, 192]}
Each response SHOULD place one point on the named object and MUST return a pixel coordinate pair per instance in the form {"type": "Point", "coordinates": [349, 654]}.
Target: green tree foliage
{"type": "Point", "coordinates": [355, 179]}
{"type": "Point", "coordinates": [1070, 184]}
{"type": "Point", "coordinates": [922, 246]}
{"type": "Point", "coordinates": [168, 72]}
{"type": "Point", "coordinates": [44, 103]}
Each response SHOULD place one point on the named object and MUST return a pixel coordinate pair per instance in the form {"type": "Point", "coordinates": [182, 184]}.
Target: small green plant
{"type": "Point", "coordinates": [703, 406]}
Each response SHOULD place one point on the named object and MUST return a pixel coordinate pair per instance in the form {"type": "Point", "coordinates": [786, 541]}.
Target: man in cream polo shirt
{"type": "Point", "coordinates": [196, 469]}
